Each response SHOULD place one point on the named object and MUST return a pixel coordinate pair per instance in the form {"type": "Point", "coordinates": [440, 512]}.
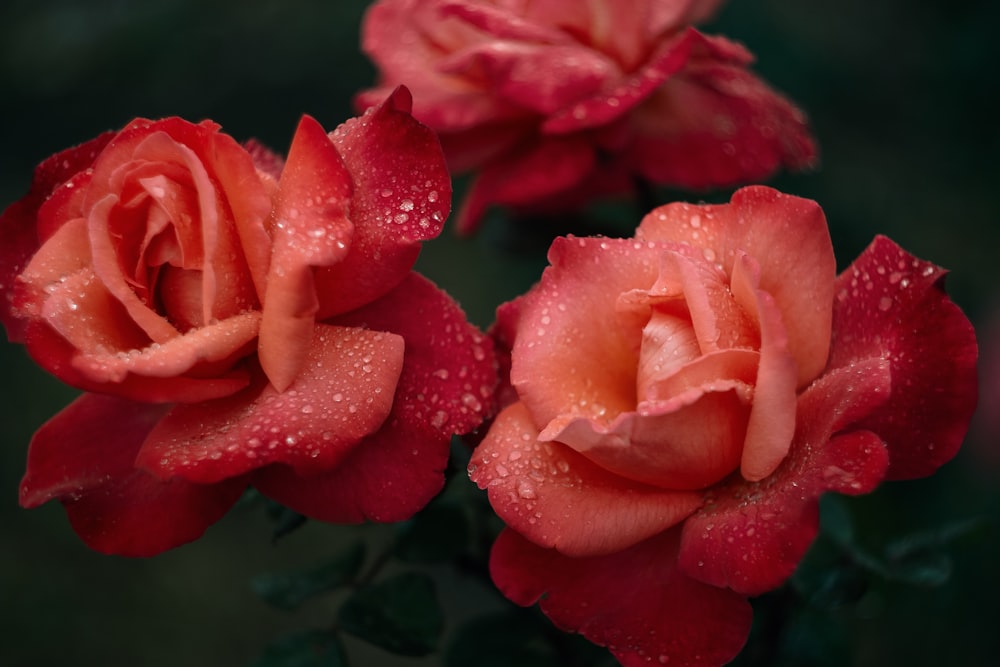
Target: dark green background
{"type": "Point", "coordinates": [903, 98]}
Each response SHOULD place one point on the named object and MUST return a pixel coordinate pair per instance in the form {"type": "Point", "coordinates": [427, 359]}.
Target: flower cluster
{"type": "Point", "coordinates": [669, 409]}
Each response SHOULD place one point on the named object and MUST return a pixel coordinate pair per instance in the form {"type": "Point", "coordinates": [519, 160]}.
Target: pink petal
{"type": "Point", "coordinates": [557, 370]}
{"type": "Point", "coordinates": [714, 123]}
{"type": "Point", "coordinates": [787, 236]}
{"type": "Point", "coordinates": [503, 24]}
{"type": "Point", "coordinates": [539, 78]}
{"type": "Point", "coordinates": [311, 229]}
{"type": "Point", "coordinates": [534, 171]}
{"type": "Point", "coordinates": [892, 306]}
{"type": "Point", "coordinates": [343, 394]}
{"type": "Point", "coordinates": [53, 353]}
{"type": "Point", "coordinates": [689, 442]}
{"type": "Point", "coordinates": [611, 104]}
{"type": "Point", "coordinates": [772, 417]}
{"type": "Point", "coordinates": [217, 346]}
{"type": "Point", "coordinates": [750, 536]}
{"type": "Point", "coordinates": [445, 388]}
{"type": "Point", "coordinates": [402, 195]}
{"type": "Point", "coordinates": [559, 499]}
{"type": "Point", "coordinates": [636, 602]}
{"type": "Point", "coordinates": [80, 459]}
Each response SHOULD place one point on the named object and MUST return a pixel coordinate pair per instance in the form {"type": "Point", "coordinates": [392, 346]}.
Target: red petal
{"type": "Point", "coordinates": [311, 229]}
{"type": "Point", "coordinates": [559, 499]}
{"type": "Point", "coordinates": [20, 235]}
{"type": "Point", "coordinates": [84, 457]}
{"type": "Point", "coordinates": [343, 393]}
{"type": "Point", "coordinates": [714, 123]}
{"type": "Point", "coordinates": [53, 353]}
{"type": "Point", "coordinates": [537, 169]}
{"type": "Point", "coordinates": [891, 305]}
{"type": "Point", "coordinates": [750, 536]}
{"type": "Point", "coordinates": [541, 78]}
{"type": "Point", "coordinates": [787, 236]}
{"type": "Point", "coordinates": [609, 105]}
{"type": "Point", "coordinates": [402, 195]}
{"type": "Point", "coordinates": [636, 602]}
{"type": "Point", "coordinates": [445, 388]}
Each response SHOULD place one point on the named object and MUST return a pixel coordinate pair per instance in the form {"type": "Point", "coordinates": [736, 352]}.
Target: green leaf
{"type": "Point", "coordinates": [289, 590]}
{"type": "Point", "coordinates": [400, 614]}
{"type": "Point", "coordinates": [501, 640]}
{"type": "Point", "coordinates": [312, 648]}
{"type": "Point", "coordinates": [436, 534]}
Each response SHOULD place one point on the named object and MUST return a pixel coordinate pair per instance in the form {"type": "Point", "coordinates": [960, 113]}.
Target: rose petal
{"type": "Point", "coordinates": [540, 78]}
{"type": "Point", "coordinates": [892, 306]}
{"type": "Point", "coordinates": [311, 229]}
{"type": "Point", "coordinates": [689, 442]}
{"type": "Point", "coordinates": [212, 346]}
{"type": "Point", "coordinates": [772, 416]}
{"type": "Point", "coordinates": [445, 388]}
{"type": "Point", "coordinates": [79, 458]}
{"type": "Point", "coordinates": [610, 105]}
{"type": "Point", "coordinates": [53, 353]}
{"type": "Point", "coordinates": [557, 370]}
{"type": "Point", "coordinates": [402, 195]}
{"type": "Point", "coordinates": [540, 168]}
{"type": "Point", "coordinates": [343, 393]}
{"type": "Point", "coordinates": [787, 236]}
{"type": "Point", "coordinates": [750, 536]}
{"type": "Point", "coordinates": [536, 487]}
{"type": "Point", "coordinates": [713, 123]}
{"type": "Point", "coordinates": [636, 602]}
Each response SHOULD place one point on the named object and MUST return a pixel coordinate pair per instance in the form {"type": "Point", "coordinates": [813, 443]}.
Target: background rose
{"type": "Point", "coordinates": [238, 328]}
{"type": "Point", "coordinates": [685, 397]}
{"type": "Point", "coordinates": [558, 102]}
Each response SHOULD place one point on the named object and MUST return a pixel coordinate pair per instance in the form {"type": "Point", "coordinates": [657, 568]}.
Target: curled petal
{"type": "Point", "coordinates": [537, 487]}
{"type": "Point", "coordinates": [84, 456]}
{"type": "Point", "coordinates": [311, 229]}
{"type": "Point", "coordinates": [772, 417]}
{"type": "Point", "coordinates": [53, 353]}
{"type": "Point", "coordinates": [343, 394]}
{"type": "Point", "coordinates": [634, 601]}
{"type": "Point", "coordinates": [688, 442]}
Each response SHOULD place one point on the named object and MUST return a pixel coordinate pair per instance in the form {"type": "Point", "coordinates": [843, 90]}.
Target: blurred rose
{"type": "Point", "coordinates": [682, 400]}
{"type": "Point", "coordinates": [557, 102]}
{"type": "Point", "coordinates": [235, 320]}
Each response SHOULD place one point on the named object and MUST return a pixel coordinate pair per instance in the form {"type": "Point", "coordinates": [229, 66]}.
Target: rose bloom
{"type": "Point", "coordinates": [683, 398]}
{"type": "Point", "coordinates": [557, 102]}
{"type": "Point", "coordinates": [234, 320]}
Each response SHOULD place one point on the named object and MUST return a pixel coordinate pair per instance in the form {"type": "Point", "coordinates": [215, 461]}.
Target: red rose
{"type": "Point", "coordinates": [684, 397]}
{"type": "Point", "coordinates": [558, 102]}
{"type": "Point", "coordinates": [234, 327]}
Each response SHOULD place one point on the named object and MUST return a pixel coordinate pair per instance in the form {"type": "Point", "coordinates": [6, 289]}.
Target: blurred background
{"type": "Point", "coordinates": [902, 97]}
